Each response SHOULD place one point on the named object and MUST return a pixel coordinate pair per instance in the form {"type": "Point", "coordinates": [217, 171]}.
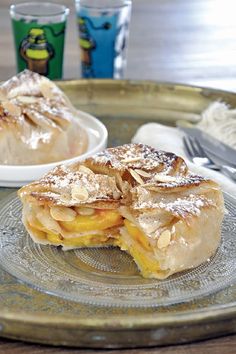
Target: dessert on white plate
{"type": "Point", "coordinates": [39, 127]}
{"type": "Point", "coordinates": [38, 124]}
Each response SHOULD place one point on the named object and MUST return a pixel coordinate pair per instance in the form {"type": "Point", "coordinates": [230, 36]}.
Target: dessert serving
{"type": "Point", "coordinates": [135, 197]}
{"type": "Point", "coordinates": [38, 124]}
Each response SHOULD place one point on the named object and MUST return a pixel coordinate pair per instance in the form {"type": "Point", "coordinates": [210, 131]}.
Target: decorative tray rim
{"type": "Point", "coordinates": [206, 314]}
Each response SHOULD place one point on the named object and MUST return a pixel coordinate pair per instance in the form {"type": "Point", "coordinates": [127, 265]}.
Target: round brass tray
{"type": "Point", "coordinates": [34, 316]}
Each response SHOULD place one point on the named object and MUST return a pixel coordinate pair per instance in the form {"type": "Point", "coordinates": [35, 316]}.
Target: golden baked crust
{"type": "Point", "coordinates": [148, 202]}
{"type": "Point", "coordinates": [62, 186]}
{"type": "Point", "coordinates": [125, 160]}
{"type": "Point", "coordinates": [37, 122]}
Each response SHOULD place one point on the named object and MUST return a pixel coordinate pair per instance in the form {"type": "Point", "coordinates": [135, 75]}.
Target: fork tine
{"type": "Point", "coordinates": [189, 146]}
{"type": "Point", "coordinates": [198, 147]}
{"type": "Point", "coordinates": [195, 150]}
{"type": "Point", "coordinates": [194, 146]}
{"type": "Point", "coordinates": [197, 154]}
{"type": "Point", "coordinates": [200, 151]}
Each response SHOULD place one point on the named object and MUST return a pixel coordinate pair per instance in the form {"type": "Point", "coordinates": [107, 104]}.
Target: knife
{"type": "Point", "coordinates": [217, 149]}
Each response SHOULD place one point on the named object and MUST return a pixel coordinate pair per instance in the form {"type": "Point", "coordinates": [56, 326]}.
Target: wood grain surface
{"type": "Point", "coordinates": [182, 41]}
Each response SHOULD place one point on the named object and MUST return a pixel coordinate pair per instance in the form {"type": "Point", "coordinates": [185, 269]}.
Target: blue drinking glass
{"type": "Point", "coordinates": [103, 32]}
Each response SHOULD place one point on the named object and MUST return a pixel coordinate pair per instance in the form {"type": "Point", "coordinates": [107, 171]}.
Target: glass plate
{"type": "Point", "coordinates": [108, 276]}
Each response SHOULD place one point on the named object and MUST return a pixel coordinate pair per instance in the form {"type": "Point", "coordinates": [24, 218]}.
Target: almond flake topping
{"type": "Point", "coordinates": [27, 99]}
{"type": "Point", "coordinates": [46, 90]}
{"type": "Point", "coordinates": [79, 193]}
{"type": "Point", "coordinates": [136, 176]}
{"type": "Point", "coordinates": [47, 221]}
{"type": "Point", "coordinates": [85, 211]}
{"type": "Point", "coordinates": [131, 159]}
{"type": "Point", "coordinates": [84, 169]}
{"type": "Point", "coordinates": [11, 108]}
{"type": "Point", "coordinates": [164, 239]}
{"type": "Point", "coordinates": [62, 213]}
{"type": "Point", "coordinates": [143, 173]}
{"type": "Point", "coordinates": [122, 185]}
{"type": "Point", "coordinates": [164, 178]}
{"type": "Point", "coordinates": [116, 194]}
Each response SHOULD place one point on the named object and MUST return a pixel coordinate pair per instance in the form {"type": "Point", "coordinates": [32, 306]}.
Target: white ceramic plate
{"type": "Point", "coordinates": [16, 176]}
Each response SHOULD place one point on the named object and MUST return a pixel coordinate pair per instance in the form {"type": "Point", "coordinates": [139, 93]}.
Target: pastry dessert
{"type": "Point", "coordinates": [38, 124]}
{"type": "Point", "coordinates": [137, 198]}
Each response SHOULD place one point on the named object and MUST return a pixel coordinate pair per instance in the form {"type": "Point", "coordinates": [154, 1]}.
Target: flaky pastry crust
{"type": "Point", "coordinates": [168, 219]}
{"type": "Point", "coordinates": [38, 124]}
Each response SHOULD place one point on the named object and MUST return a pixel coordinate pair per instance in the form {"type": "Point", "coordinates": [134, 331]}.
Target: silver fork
{"type": "Point", "coordinates": [199, 156]}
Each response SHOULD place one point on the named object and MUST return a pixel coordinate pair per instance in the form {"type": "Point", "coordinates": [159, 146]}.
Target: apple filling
{"type": "Point", "coordinates": [88, 227]}
{"type": "Point", "coordinates": [75, 227]}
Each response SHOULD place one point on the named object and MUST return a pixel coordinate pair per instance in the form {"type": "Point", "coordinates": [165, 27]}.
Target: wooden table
{"type": "Point", "coordinates": [182, 41]}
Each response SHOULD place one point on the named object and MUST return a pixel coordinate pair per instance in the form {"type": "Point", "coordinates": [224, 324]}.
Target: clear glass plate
{"type": "Point", "coordinates": [108, 276]}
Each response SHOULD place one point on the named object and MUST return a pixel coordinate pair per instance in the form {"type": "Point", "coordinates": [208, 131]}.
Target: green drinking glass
{"type": "Point", "coordinates": [39, 33]}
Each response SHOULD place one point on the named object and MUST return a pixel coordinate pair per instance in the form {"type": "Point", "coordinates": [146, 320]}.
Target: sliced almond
{"type": "Point", "coordinates": [79, 193]}
{"type": "Point", "coordinates": [85, 211]}
{"type": "Point", "coordinates": [84, 169]}
{"type": "Point", "coordinates": [11, 108]}
{"type": "Point", "coordinates": [32, 220]}
{"type": "Point", "coordinates": [136, 176]}
{"type": "Point", "coordinates": [164, 239]}
{"type": "Point", "coordinates": [47, 90]}
{"type": "Point", "coordinates": [113, 186]}
{"type": "Point", "coordinates": [27, 99]}
{"type": "Point", "coordinates": [125, 187]}
{"type": "Point", "coordinates": [119, 181]}
{"type": "Point", "coordinates": [62, 213]}
{"type": "Point", "coordinates": [116, 194]}
{"type": "Point", "coordinates": [47, 221]}
{"type": "Point", "coordinates": [131, 159]}
{"type": "Point", "coordinates": [164, 178]}
{"type": "Point", "coordinates": [142, 173]}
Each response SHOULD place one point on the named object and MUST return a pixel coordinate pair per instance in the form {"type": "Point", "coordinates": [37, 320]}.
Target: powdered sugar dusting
{"type": "Point", "coordinates": [180, 207]}
{"type": "Point", "coordinates": [62, 181]}
{"type": "Point", "coordinates": [158, 190]}
{"type": "Point", "coordinates": [139, 156]}
{"type": "Point", "coordinates": [27, 85]}
{"type": "Point", "coordinates": [176, 182]}
{"type": "Point", "coordinates": [156, 216]}
{"type": "Point", "coordinates": [185, 206]}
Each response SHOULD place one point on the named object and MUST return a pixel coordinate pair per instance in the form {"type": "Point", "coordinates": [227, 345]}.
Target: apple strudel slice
{"type": "Point", "coordinates": [172, 224]}
{"type": "Point", "coordinates": [38, 124]}
{"type": "Point", "coordinates": [72, 207]}
{"type": "Point", "coordinates": [137, 198]}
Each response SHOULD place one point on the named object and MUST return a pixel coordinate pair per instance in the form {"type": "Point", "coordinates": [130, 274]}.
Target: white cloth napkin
{"type": "Point", "coordinates": [219, 120]}
{"type": "Point", "coordinates": [170, 139]}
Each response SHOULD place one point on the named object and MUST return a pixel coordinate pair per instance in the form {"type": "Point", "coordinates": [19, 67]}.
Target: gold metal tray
{"type": "Point", "coordinates": [38, 317]}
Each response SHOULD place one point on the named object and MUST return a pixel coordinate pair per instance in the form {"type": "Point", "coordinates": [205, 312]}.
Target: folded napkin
{"type": "Point", "coordinates": [170, 139]}
{"type": "Point", "coordinates": [219, 120]}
